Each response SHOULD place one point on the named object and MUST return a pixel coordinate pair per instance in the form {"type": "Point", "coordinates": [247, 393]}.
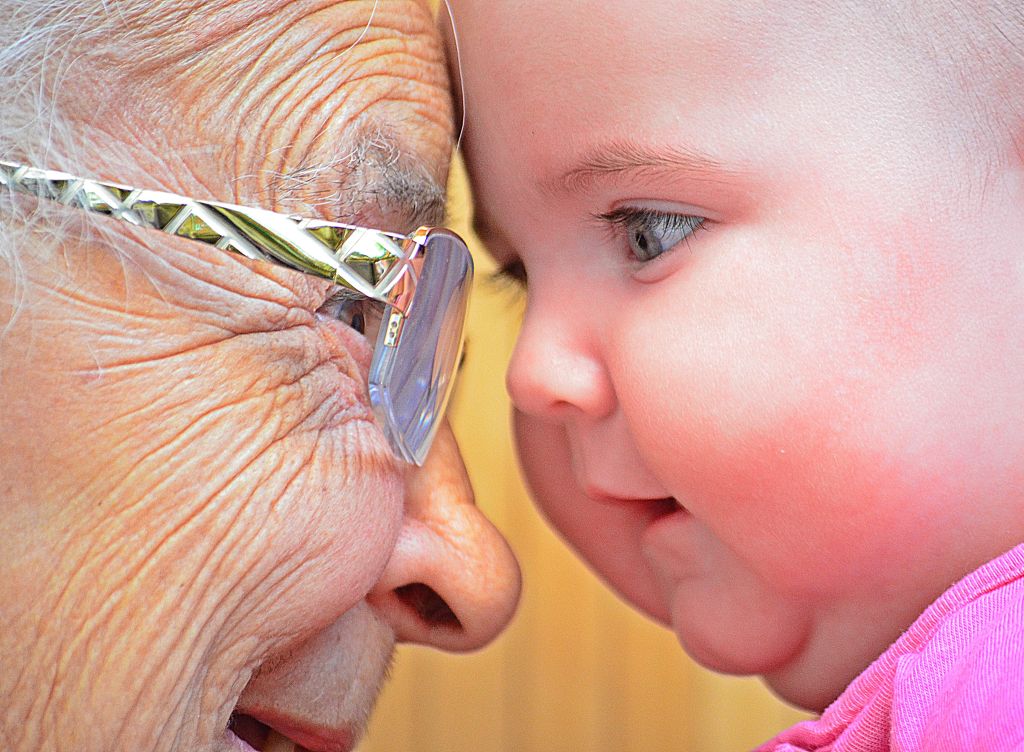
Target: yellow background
{"type": "Point", "coordinates": [577, 670]}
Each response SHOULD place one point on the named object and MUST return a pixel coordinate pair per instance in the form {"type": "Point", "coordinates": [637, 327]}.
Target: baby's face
{"type": "Point", "coordinates": [768, 379]}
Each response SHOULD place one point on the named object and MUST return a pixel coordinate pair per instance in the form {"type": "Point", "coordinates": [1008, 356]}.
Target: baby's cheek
{"type": "Point", "coordinates": [769, 439]}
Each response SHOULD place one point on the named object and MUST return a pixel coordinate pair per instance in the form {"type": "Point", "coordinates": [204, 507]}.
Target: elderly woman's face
{"type": "Point", "coordinates": [203, 524]}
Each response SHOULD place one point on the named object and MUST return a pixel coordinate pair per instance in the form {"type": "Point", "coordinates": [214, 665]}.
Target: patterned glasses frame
{"type": "Point", "coordinates": [370, 262]}
{"type": "Point", "coordinates": [381, 266]}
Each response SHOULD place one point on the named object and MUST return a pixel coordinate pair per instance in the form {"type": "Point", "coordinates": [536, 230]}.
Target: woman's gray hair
{"type": "Point", "coordinates": [41, 42]}
{"type": "Point", "coordinates": [38, 43]}
{"type": "Point", "coordinates": [50, 49]}
{"type": "Point", "coordinates": [30, 40]}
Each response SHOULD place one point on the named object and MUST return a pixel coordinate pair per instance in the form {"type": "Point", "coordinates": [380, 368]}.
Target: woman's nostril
{"type": "Point", "coordinates": [428, 605]}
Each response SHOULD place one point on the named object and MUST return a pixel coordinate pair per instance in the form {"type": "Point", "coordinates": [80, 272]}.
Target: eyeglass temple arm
{"type": "Point", "coordinates": [370, 262]}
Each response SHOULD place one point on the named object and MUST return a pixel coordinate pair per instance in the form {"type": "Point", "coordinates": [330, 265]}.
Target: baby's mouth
{"type": "Point", "coordinates": [670, 504]}
{"type": "Point", "coordinates": [653, 507]}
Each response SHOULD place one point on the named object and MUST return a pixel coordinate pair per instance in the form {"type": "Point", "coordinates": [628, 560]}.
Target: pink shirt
{"type": "Point", "coordinates": [953, 682]}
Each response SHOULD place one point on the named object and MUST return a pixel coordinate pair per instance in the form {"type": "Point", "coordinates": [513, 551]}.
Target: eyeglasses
{"type": "Point", "coordinates": [422, 282]}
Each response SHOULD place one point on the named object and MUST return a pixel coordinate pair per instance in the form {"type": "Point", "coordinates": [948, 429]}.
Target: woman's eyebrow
{"type": "Point", "coordinates": [413, 194]}
{"type": "Point", "coordinates": [626, 156]}
{"type": "Point", "coordinates": [372, 177]}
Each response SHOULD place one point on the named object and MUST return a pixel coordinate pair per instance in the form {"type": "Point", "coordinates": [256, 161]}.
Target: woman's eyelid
{"type": "Point", "coordinates": [340, 293]}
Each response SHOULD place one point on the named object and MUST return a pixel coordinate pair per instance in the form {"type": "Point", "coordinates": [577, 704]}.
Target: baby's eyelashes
{"type": "Point", "coordinates": [511, 274]}
{"type": "Point", "coordinates": [650, 233]}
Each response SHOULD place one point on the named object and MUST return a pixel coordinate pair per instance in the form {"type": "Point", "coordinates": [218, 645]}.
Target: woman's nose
{"type": "Point", "coordinates": [556, 369]}
{"type": "Point", "coordinates": [452, 581]}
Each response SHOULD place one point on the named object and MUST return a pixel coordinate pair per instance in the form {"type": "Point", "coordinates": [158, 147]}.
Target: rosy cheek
{"type": "Point", "coordinates": [906, 300]}
{"type": "Point", "coordinates": [750, 414]}
{"type": "Point", "coordinates": [785, 471]}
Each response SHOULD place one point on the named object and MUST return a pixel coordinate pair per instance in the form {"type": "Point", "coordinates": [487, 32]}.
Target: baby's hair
{"type": "Point", "coordinates": [967, 57]}
{"type": "Point", "coordinates": [981, 47]}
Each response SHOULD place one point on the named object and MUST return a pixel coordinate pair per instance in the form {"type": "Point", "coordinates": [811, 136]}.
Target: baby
{"type": "Point", "coordinates": [769, 379]}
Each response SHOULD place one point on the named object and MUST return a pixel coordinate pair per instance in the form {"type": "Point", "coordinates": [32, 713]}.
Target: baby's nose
{"type": "Point", "coordinates": [452, 581]}
{"type": "Point", "coordinates": [555, 370]}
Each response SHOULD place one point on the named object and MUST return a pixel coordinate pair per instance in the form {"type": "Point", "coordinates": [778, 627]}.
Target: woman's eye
{"type": "Point", "coordinates": [651, 233]}
{"type": "Point", "coordinates": [349, 308]}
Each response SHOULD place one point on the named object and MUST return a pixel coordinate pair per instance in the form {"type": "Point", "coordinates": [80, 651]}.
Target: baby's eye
{"type": "Point", "coordinates": [512, 273]}
{"type": "Point", "coordinates": [353, 309]}
{"type": "Point", "coordinates": [650, 233]}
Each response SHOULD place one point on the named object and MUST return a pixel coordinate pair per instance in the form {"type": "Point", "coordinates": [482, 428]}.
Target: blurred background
{"type": "Point", "coordinates": [578, 670]}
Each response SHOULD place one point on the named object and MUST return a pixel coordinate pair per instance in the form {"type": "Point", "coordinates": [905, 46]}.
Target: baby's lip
{"type": "Point", "coordinates": [600, 494]}
{"type": "Point", "coordinates": [650, 507]}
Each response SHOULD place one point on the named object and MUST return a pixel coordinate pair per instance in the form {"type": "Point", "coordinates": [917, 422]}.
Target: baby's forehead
{"type": "Point", "coordinates": [733, 30]}
{"type": "Point", "coordinates": [772, 99]}
{"type": "Point", "coordinates": [689, 54]}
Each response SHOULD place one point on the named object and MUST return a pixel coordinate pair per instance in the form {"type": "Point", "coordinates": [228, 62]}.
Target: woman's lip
{"type": "Point", "coordinates": [235, 743]}
{"type": "Point", "coordinates": [308, 735]}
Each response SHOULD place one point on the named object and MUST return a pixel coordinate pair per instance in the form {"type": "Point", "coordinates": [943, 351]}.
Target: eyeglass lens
{"type": "Point", "coordinates": [410, 384]}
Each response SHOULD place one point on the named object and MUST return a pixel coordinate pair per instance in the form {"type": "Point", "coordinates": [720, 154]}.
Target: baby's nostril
{"type": "Point", "coordinates": [428, 605]}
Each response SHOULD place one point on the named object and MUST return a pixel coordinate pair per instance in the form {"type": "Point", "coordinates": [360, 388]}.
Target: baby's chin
{"type": "Point", "coordinates": [755, 639]}
{"type": "Point", "coordinates": [810, 691]}
{"type": "Point", "coordinates": [828, 661]}
{"type": "Point", "coordinates": [798, 665]}
{"type": "Point", "coordinates": [789, 678]}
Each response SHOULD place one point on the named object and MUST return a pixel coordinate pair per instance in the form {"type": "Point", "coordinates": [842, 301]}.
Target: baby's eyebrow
{"type": "Point", "coordinates": [622, 156]}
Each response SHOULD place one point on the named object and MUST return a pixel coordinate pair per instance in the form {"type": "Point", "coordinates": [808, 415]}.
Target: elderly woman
{"type": "Point", "coordinates": [212, 532]}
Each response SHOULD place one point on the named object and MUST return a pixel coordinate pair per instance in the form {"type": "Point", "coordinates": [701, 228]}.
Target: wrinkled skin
{"type": "Point", "coordinates": [788, 434]}
{"type": "Point", "coordinates": [199, 512]}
